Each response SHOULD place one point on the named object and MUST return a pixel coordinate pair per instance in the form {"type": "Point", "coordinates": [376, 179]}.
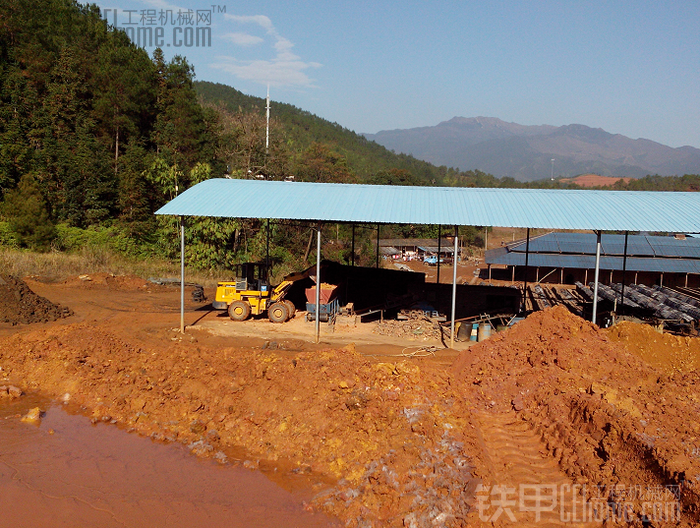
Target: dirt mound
{"type": "Point", "coordinates": [669, 352]}
{"type": "Point", "coordinates": [389, 430]}
{"type": "Point", "coordinates": [552, 346]}
{"type": "Point", "coordinates": [19, 304]}
{"type": "Point", "coordinates": [607, 417]}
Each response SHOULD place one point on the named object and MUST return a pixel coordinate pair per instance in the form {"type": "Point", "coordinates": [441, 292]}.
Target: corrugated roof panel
{"type": "Point", "coordinates": [548, 246]}
{"type": "Point", "coordinates": [636, 245]}
{"type": "Point", "coordinates": [582, 246]}
{"type": "Point", "coordinates": [689, 247]}
{"type": "Point", "coordinates": [680, 251]}
{"type": "Point", "coordinates": [656, 265]}
{"type": "Point", "coordinates": [663, 258]}
{"type": "Point", "coordinates": [549, 209]}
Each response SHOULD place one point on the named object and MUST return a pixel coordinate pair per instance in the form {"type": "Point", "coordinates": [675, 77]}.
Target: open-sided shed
{"type": "Point", "coordinates": [385, 204]}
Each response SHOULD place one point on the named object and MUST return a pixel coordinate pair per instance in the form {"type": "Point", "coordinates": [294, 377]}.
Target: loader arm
{"type": "Point", "coordinates": [281, 289]}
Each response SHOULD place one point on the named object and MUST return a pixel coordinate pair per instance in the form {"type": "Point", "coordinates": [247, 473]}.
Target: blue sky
{"type": "Point", "coordinates": [629, 67]}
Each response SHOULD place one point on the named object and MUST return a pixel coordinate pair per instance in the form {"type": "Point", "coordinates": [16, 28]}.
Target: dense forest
{"type": "Point", "coordinates": [95, 135]}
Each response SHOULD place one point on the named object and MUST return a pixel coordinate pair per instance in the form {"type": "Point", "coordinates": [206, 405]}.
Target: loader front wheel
{"type": "Point", "coordinates": [291, 309]}
{"type": "Point", "coordinates": [239, 310]}
{"type": "Point", "coordinates": [278, 312]}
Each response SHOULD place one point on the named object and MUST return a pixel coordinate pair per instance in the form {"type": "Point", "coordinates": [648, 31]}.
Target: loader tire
{"type": "Point", "coordinates": [291, 309]}
{"type": "Point", "coordinates": [278, 312]}
{"type": "Point", "coordinates": [239, 310]}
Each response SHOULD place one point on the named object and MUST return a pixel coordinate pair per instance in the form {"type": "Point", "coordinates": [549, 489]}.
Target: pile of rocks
{"type": "Point", "coordinates": [417, 327]}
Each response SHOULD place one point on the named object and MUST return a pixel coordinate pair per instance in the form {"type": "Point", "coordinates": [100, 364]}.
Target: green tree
{"type": "Point", "coordinates": [319, 163]}
{"type": "Point", "coordinates": [28, 214]}
{"type": "Point", "coordinates": [395, 177]}
{"type": "Point", "coordinates": [124, 92]}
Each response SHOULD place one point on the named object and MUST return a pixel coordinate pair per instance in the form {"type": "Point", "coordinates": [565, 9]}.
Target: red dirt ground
{"type": "Point", "coordinates": [594, 180]}
{"type": "Point", "coordinates": [553, 401]}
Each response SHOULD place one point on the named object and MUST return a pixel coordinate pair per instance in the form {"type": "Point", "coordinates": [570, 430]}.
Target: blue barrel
{"type": "Point", "coordinates": [475, 329]}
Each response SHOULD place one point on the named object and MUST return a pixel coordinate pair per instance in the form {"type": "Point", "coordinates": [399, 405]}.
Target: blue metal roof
{"type": "Point", "coordinates": [588, 262]}
{"type": "Point", "coordinates": [577, 251]}
{"type": "Point", "coordinates": [585, 243]}
{"type": "Point", "coordinates": [334, 202]}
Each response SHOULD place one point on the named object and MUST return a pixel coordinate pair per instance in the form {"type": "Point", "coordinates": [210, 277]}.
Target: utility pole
{"type": "Point", "coordinates": [267, 128]}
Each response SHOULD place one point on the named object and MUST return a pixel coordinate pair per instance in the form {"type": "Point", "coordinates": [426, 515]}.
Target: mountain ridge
{"type": "Point", "coordinates": [524, 152]}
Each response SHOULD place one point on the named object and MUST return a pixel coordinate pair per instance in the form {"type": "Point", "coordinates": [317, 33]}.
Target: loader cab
{"type": "Point", "coordinates": [250, 283]}
{"type": "Point", "coordinates": [252, 276]}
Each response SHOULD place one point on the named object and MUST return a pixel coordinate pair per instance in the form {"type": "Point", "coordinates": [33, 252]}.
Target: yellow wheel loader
{"type": "Point", "coordinates": [250, 294]}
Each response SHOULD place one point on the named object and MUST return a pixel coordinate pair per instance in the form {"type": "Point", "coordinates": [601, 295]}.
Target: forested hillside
{"type": "Point", "coordinates": [96, 135]}
{"type": "Point", "coordinates": [92, 130]}
{"type": "Point", "coordinates": [302, 132]}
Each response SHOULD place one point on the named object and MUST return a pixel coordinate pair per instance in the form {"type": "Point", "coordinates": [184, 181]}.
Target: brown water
{"type": "Point", "coordinates": [67, 472]}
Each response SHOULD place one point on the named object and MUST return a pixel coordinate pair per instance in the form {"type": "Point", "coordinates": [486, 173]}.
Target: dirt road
{"type": "Point", "coordinates": [553, 409]}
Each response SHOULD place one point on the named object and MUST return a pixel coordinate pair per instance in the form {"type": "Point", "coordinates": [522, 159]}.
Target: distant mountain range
{"type": "Point", "coordinates": [525, 152]}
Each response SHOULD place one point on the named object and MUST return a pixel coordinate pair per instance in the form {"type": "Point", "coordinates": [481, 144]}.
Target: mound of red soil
{"type": "Point", "coordinates": [19, 304]}
{"type": "Point", "coordinates": [668, 352]}
{"type": "Point", "coordinates": [389, 430]}
{"type": "Point", "coordinates": [608, 417]}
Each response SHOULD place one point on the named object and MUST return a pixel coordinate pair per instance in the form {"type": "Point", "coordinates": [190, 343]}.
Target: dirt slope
{"type": "Point", "coordinates": [607, 417]}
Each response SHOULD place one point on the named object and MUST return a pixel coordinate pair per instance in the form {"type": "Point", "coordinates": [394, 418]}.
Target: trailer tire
{"type": "Point", "coordinates": [291, 309]}
{"type": "Point", "coordinates": [278, 312]}
{"type": "Point", "coordinates": [239, 310]}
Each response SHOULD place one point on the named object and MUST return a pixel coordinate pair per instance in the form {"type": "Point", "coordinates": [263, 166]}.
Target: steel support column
{"type": "Point", "coordinates": [318, 284]}
{"type": "Point", "coordinates": [438, 256]}
{"type": "Point", "coordinates": [182, 274]}
{"type": "Point", "coordinates": [352, 257]}
{"type": "Point", "coordinates": [267, 250]}
{"type": "Point", "coordinates": [597, 273]}
{"type": "Point", "coordinates": [377, 264]}
{"type": "Point", "coordinates": [454, 289]}
{"type": "Point", "coordinates": [527, 258]}
{"type": "Point", "coordinates": [624, 271]}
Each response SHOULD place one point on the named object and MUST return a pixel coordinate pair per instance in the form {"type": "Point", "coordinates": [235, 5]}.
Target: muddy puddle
{"type": "Point", "coordinates": [67, 472]}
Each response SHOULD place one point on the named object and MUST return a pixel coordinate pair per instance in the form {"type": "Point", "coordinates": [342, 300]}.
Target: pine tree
{"type": "Point", "coordinates": [28, 214]}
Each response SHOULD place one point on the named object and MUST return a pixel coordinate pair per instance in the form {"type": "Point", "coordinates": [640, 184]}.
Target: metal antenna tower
{"type": "Point", "coordinates": [267, 113]}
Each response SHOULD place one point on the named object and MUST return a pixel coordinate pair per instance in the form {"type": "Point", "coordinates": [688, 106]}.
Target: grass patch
{"type": "Point", "coordinates": [58, 266]}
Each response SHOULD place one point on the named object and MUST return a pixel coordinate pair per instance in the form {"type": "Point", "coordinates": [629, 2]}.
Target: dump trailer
{"type": "Point", "coordinates": [251, 294]}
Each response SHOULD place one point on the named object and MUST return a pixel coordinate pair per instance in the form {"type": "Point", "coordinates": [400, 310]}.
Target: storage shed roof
{"type": "Point", "coordinates": [334, 202]}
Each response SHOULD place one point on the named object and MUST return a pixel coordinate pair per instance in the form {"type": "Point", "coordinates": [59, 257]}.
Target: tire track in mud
{"type": "Point", "coordinates": [525, 487]}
